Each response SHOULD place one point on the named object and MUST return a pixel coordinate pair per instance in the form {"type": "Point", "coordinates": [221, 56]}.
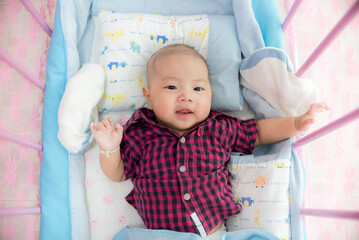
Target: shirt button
{"type": "Point", "coordinates": [183, 169]}
{"type": "Point", "coordinates": [182, 140]}
{"type": "Point", "coordinates": [187, 197]}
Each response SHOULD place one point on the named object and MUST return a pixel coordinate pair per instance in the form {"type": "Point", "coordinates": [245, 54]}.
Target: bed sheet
{"type": "Point", "coordinates": [21, 112]}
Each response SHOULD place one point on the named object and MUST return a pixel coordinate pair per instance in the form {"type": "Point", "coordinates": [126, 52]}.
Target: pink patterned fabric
{"type": "Point", "coordinates": [175, 176]}
{"type": "Point", "coordinates": [331, 162]}
{"type": "Point", "coordinates": [336, 74]}
{"type": "Point", "coordinates": [20, 114]}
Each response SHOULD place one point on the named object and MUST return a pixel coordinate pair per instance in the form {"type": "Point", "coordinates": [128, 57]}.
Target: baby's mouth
{"type": "Point", "coordinates": [184, 111]}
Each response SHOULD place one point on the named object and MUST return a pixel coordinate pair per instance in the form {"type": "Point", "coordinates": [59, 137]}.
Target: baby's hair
{"type": "Point", "coordinates": [180, 49]}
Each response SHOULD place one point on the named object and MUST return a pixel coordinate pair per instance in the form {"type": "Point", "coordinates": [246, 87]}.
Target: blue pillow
{"type": "Point", "coordinates": [224, 59]}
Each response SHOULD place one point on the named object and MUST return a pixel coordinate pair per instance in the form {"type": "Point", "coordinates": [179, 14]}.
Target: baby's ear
{"type": "Point", "coordinates": [146, 94]}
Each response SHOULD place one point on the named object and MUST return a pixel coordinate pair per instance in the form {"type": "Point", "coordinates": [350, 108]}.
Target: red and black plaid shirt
{"type": "Point", "coordinates": [175, 176]}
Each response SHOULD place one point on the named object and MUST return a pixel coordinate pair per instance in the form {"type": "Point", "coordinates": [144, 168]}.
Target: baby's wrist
{"type": "Point", "coordinates": [108, 152]}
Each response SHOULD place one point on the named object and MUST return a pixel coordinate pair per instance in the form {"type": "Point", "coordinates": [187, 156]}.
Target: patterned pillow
{"type": "Point", "coordinates": [123, 43]}
{"type": "Point", "coordinates": [263, 191]}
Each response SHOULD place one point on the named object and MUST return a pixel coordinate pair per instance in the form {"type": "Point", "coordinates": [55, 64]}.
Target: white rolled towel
{"type": "Point", "coordinates": [78, 107]}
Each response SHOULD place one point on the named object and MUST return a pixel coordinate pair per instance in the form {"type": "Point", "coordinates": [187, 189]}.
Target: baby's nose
{"type": "Point", "coordinates": [185, 96]}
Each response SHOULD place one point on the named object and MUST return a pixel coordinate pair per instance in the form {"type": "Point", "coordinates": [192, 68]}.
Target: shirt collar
{"type": "Point", "coordinates": [148, 116]}
{"type": "Point", "coordinates": [142, 114]}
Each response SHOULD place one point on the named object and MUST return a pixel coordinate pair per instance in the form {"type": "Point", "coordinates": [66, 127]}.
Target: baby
{"type": "Point", "coordinates": [176, 151]}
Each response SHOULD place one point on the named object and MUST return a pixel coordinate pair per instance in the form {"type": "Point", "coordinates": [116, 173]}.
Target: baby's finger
{"type": "Point", "coordinates": [100, 126]}
{"type": "Point", "coordinates": [324, 106]}
{"type": "Point", "coordinates": [317, 108]}
{"type": "Point", "coordinates": [106, 123]}
{"type": "Point", "coordinates": [119, 128]}
{"type": "Point", "coordinates": [92, 127]}
{"type": "Point", "coordinates": [110, 120]}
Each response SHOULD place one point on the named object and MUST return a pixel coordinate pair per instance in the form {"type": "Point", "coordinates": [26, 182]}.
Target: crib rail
{"type": "Point", "coordinates": [338, 28]}
{"type": "Point", "coordinates": [20, 68]}
{"type": "Point", "coordinates": [23, 141]}
{"type": "Point", "coordinates": [30, 7]}
{"type": "Point", "coordinates": [293, 10]}
{"type": "Point", "coordinates": [328, 128]}
{"type": "Point", "coordinates": [330, 213]}
{"type": "Point", "coordinates": [19, 211]}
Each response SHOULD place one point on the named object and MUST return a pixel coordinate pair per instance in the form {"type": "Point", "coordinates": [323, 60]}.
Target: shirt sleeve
{"type": "Point", "coordinates": [246, 133]}
{"type": "Point", "coordinates": [130, 149]}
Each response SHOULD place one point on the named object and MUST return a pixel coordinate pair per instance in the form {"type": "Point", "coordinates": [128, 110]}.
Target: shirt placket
{"type": "Point", "coordinates": [182, 172]}
{"type": "Point", "coordinates": [187, 191]}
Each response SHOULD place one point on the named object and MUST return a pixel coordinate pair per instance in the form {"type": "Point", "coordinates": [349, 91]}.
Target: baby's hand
{"type": "Point", "coordinates": [107, 135]}
{"type": "Point", "coordinates": [302, 123]}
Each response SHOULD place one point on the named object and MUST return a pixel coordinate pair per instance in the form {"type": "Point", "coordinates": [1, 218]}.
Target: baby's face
{"type": "Point", "coordinates": [179, 92]}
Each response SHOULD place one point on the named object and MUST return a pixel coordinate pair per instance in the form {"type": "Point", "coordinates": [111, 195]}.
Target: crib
{"type": "Point", "coordinates": [330, 207]}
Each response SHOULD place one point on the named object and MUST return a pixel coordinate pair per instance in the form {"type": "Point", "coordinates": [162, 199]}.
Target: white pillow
{"type": "Point", "coordinates": [125, 43]}
{"type": "Point", "coordinates": [78, 107]}
{"type": "Point", "coordinates": [263, 191]}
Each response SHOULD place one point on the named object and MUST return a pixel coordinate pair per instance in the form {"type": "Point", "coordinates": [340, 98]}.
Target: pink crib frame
{"type": "Point", "coordinates": [347, 118]}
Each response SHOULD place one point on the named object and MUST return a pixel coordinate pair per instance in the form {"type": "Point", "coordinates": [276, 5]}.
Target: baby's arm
{"type": "Point", "coordinates": [277, 129]}
{"type": "Point", "coordinates": [109, 136]}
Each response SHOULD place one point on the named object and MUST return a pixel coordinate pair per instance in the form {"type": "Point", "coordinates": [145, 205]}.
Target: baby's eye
{"type": "Point", "coordinates": [198, 89]}
{"type": "Point", "coordinates": [171, 87]}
